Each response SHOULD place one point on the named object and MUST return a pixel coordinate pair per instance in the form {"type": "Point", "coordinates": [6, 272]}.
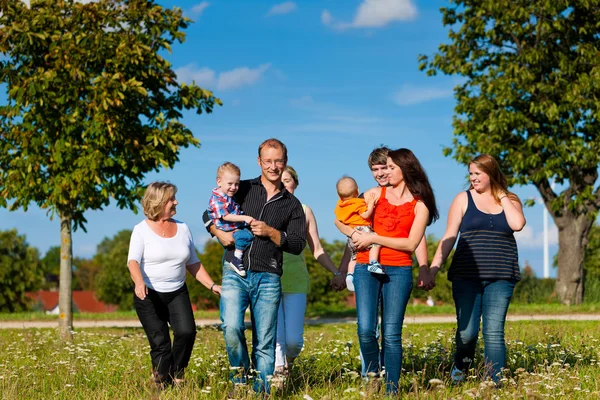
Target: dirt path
{"type": "Point", "coordinates": [420, 319]}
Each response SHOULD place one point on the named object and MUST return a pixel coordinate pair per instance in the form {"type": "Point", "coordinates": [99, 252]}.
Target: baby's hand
{"type": "Point", "coordinates": [371, 198]}
{"type": "Point", "coordinates": [248, 219]}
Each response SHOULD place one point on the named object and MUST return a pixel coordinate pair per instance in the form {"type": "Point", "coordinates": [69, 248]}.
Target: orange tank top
{"type": "Point", "coordinates": [392, 221]}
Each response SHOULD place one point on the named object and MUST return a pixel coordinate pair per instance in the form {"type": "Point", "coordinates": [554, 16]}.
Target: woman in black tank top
{"type": "Point", "coordinates": [485, 266]}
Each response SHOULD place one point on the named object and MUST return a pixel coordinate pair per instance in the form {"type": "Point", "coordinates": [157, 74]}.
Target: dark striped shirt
{"type": "Point", "coordinates": [283, 212]}
{"type": "Point", "coordinates": [486, 247]}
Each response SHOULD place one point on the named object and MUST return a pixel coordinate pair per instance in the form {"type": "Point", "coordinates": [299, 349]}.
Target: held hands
{"type": "Point", "coordinates": [338, 283]}
{"type": "Point", "coordinates": [426, 278]}
{"type": "Point", "coordinates": [248, 219]}
{"type": "Point", "coordinates": [141, 290]}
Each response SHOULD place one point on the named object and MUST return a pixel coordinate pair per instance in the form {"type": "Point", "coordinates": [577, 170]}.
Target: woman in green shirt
{"type": "Point", "coordinates": [295, 285]}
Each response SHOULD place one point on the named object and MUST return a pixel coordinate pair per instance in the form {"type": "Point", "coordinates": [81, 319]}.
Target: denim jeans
{"type": "Point", "coordinates": [379, 328]}
{"type": "Point", "coordinates": [154, 312]}
{"type": "Point", "coordinates": [290, 327]}
{"type": "Point", "coordinates": [394, 288]}
{"type": "Point", "coordinates": [261, 291]}
{"type": "Point", "coordinates": [475, 299]}
{"type": "Point", "coordinates": [243, 238]}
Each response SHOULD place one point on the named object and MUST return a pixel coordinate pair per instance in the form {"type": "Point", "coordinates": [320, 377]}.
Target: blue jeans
{"type": "Point", "coordinates": [475, 299]}
{"type": "Point", "coordinates": [261, 291]}
{"type": "Point", "coordinates": [394, 289]}
{"type": "Point", "coordinates": [243, 238]}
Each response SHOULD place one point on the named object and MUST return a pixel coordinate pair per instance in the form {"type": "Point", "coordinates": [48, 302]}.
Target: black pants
{"type": "Point", "coordinates": [154, 312]}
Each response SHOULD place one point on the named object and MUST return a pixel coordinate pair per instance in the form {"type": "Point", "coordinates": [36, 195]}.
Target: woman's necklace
{"type": "Point", "coordinates": [164, 233]}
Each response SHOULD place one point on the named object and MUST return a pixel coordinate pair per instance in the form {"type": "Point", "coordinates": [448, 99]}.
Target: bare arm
{"type": "Point", "coordinates": [198, 271]}
{"type": "Point", "coordinates": [345, 229]}
{"type": "Point", "coordinates": [136, 276]}
{"type": "Point", "coordinates": [226, 238]}
{"type": "Point", "coordinates": [314, 242]}
{"type": "Point", "coordinates": [455, 215]}
{"type": "Point", "coordinates": [370, 199]}
{"type": "Point", "coordinates": [513, 212]}
{"type": "Point", "coordinates": [238, 218]}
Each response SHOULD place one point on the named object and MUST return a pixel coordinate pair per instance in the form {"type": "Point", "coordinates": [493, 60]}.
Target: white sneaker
{"type": "Point", "coordinates": [457, 376]}
{"type": "Point", "coordinates": [375, 268]}
{"type": "Point", "coordinates": [350, 282]}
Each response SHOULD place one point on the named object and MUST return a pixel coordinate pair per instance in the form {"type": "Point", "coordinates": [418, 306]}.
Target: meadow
{"type": "Point", "coordinates": [551, 359]}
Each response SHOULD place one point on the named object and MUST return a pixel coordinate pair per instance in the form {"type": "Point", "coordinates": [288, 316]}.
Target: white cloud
{"type": "Point", "coordinates": [374, 14]}
{"type": "Point", "coordinates": [240, 77]}
{"type": "Point", "coordinates": [282, 8]}
{"type": "Point", "coordinates": [199, 8]}
{"type": "Point", "coordinates": [529, 239]}
{"type": "Point", "coordinates": [410, 95]}
{"type": "Point", "coordinates": [227, 80]}
{"type": "Point", "coordinates": [202, 76]}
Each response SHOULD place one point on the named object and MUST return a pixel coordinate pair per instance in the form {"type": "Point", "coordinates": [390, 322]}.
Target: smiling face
{"type": "Point", "coordinates": [479, 179]}
{"type": "Point", "coordinates": [170, 208]}
{"type": "Point", "coordinates": [229, 182]}
{"type": "Point", "coordinates": [272, 162]}
{"type": "Point", "coordinates": [288, 182]}
{"type": "Point", "coordinates": [394, 173]}
{"type": "Point", "coordinates": [380, 174]}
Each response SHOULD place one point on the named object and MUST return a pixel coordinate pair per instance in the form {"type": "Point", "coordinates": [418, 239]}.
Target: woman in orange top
{"type": "Point", "coordinates": [402, 212]}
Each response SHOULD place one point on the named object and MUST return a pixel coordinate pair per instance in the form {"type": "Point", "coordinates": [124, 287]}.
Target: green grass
{"type": "Point", "coordinates": [554, 359]}
{"type": "Point", "coordinates": [340, 312]}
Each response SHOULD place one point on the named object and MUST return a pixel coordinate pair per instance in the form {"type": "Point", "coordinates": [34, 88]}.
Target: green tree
{"type": "Point", "coordinates": [50, 265]}
{"type": "Point", "coordinates": [211, 258]}
{"type": "Point", "coordinates": [530, 99]}
{"type": "Point", "coordinates": [20, 271]}
{"type": "Point", "coordinates": [84, 274]}
{"type": "Point", "coordinates": [321, 296]}
{"type": "Point", "coordinates": [113, 282]}
{"type": "Point", "coordinates": [92, 106]}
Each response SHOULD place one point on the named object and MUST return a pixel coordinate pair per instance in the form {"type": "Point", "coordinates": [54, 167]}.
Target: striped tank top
{"type": "Point", "coordinates": [486, 247]}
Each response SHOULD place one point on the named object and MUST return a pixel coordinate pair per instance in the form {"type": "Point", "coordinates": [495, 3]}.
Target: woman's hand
{"type": "Point", "coordinates": [141, 290]}
{"type": "Point", "coordinates": [362, 240]}
{"type": "Point", "coordinates": [216, 289]}
{"type": "Point", "coordinates": [425, 280]}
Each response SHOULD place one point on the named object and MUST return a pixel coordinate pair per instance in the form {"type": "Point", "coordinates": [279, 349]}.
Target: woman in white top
{"type": "Point", "coordinates": [160, 251]}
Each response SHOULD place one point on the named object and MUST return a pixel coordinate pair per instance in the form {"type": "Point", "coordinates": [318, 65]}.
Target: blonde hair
{"type": "Point", "coordinates": [293, 174]}
{"type": "Point", "coordinates": [228, 167]}
{"type": "Point", "coordinates": [347, 188]}
{"type": "Point", "coordinates": [156, 196]}
{"type": "Point", "coordinates": [490, 166]}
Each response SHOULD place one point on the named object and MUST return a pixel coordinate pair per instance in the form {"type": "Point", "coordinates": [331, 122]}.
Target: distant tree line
{"type": "Point", "coordinates": [22, 270]}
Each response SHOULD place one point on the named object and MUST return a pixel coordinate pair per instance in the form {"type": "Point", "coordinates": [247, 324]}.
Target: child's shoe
{"type": "Point", "coordinates": [375, 268]}
{"type": "Point", "coordinates": [350, 282]}
{"type": "Point", "coordinates": [237, 265]}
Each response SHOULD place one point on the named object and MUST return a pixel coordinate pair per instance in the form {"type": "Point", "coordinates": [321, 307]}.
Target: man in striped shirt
{"type": "Point", "coordinates": [279, 225]}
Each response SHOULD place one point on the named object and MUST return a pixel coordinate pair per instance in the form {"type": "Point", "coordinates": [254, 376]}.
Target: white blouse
{"type": "Point", "coordinates": [162, 260]}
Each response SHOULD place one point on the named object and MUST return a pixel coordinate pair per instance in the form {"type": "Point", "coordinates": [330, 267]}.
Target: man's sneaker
{"type": "Point", "coordinates": [457, 376]}
{"type": "Point", "coordinates": [375, 268]}
{"type": "Point", "coordinates": [237, 266]}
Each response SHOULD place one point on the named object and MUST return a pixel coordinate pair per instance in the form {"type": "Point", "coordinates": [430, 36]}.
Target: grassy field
{"type": "Point", "coordinates": [545, 360]}
{"type": "Point", "coordinates": [515, 309]}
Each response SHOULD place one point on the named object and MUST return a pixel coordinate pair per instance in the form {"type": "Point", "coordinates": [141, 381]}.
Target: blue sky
{"type": "Point", "coordinates": [332, 80]}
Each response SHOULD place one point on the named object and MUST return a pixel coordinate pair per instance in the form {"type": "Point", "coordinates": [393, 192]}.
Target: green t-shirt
{"type": "Point", "coordinates": [295, 277]}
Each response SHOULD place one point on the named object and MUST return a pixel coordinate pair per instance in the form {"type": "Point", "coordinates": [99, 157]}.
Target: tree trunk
{"type": "Point", "coordinates": [65, 304]}
{"type": "Point", "coordinates": [572, 239]}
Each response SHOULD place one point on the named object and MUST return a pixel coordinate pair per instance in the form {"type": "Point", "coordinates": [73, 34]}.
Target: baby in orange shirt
{"type": "Point", "coordinates": [356, 212]}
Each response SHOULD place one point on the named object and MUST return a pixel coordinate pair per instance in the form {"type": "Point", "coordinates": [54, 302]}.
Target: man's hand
{"type": "Point", "coordinates": [260, 228]}
{"type": "Point", "coordinates": [226, 238]}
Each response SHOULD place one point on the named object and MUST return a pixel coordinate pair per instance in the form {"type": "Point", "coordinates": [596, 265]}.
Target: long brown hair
{"type": "Point", "coordinates": [490, 166]}
{"type": "Point", "coordinates": [416, 180]}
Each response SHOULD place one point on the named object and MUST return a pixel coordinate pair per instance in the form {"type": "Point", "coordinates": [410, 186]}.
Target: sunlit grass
{"type": "Point", "coordinates": [545, 360]}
